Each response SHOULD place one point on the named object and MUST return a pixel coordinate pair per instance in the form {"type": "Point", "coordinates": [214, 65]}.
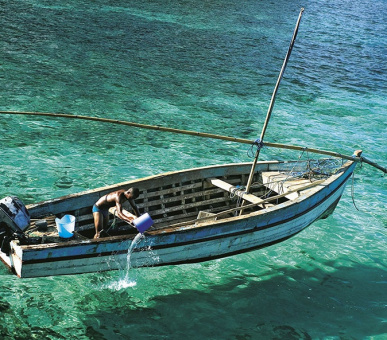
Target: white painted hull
{"type": "Point", "coordinates": [215, 239]}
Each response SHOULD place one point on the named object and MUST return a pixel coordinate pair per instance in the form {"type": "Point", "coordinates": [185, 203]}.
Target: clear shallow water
{"type": "Point", "coordinates": [209, 67]}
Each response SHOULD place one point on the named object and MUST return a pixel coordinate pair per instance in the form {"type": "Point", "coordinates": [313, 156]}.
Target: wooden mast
{"type": "Point", "coordinates": [259, 142]}
{"type": "Point", "coordinates": [270, 109]}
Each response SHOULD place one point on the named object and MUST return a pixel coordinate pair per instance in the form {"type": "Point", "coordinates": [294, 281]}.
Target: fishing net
{"type": "Point", "coordinates": [316, 169]}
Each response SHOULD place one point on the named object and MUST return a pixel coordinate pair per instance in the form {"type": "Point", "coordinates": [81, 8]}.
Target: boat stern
{"type": "Point", "coordinates": [13, 257]}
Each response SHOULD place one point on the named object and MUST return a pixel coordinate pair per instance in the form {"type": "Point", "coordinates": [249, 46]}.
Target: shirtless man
{"type": "Point", "coordinates": [116, 198]}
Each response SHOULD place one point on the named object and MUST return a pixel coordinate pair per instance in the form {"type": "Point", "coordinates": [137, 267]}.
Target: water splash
{"type": "Point", "coordinates": [125, 281]}
{"type": "Point", "coordinates": [135, 241]}
{"type": "Point", "coordinates": [122, 284]}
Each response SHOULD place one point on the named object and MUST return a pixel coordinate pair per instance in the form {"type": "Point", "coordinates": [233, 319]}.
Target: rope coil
{"type": "Point", "coordinates": [258, 144]}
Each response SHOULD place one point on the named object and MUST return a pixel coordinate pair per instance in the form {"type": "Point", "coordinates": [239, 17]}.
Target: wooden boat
{"type": "Point", "coordinates": [197, 217]}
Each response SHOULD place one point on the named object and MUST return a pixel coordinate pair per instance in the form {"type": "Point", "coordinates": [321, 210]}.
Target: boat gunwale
{"type": "Point", "coordinates": [143, 179]}
{"type": "Point", "coordinates": [209, 223]}
{"type": "Point", "coordinates": [133, 182]}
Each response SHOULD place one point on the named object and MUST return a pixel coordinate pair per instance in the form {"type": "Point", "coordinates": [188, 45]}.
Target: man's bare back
{"type": "Point", "coordinates": [115, 198]}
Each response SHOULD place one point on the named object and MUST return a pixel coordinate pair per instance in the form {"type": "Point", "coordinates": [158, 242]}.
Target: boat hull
{"type": "Point", "coordinates": [185, 244]}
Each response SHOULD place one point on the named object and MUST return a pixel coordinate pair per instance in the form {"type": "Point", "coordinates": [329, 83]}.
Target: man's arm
{"type": "Point", "coordinates": [134, 206]}
{"type": "Point", "coordinates": [120, 198]}
{"type": "Point", "coordinates": [121, 214]}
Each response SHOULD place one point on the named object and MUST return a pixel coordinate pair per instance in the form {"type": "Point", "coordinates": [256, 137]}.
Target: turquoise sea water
{"type": "Point", "coordinates": [207, 66]}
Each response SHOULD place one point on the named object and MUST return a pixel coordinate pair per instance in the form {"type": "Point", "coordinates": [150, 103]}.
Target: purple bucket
{"type": "Point", "coordinates": [143, 223]}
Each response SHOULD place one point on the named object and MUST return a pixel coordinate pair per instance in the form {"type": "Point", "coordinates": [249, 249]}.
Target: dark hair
{"type": "Point", "coordinates": [135, 192]}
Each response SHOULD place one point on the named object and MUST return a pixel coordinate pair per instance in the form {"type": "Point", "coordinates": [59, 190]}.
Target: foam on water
{"type": "Point", "coordinates": [125, 280]}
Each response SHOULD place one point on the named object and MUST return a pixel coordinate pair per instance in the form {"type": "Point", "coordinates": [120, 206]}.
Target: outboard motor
{"type": "Point", "coordinates": [14, 219]}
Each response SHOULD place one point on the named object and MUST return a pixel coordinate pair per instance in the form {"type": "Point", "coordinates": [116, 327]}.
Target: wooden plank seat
{"type": "Point", "coordinates": [282, 183]}
{"type": "Point", "coordinates": [233, 189]}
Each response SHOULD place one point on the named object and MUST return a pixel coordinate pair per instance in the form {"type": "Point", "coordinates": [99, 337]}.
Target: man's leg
{"type": "Point", "coordinates": [98, 223]}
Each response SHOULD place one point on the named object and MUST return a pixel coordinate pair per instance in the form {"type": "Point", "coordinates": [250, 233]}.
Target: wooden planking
{"type": "Point", "coordinates": [171, 203]}
{"type": "Point", "coordinates": [169, 190]}
{"type": "Point", "coordinates": [195, 205]}
{"type": "Point", "coordinates": [84, 200]}
{"type": "Point", "coordinates": [282, 183]}
{"type": "Point", "coordinates": [179, 202]}
{"type": "Point", "coordinates": [181, 197]}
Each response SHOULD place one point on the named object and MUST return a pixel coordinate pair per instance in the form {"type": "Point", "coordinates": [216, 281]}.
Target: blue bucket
{"type": "Point", "coordinates": [65, 226]}
{"type": "Point", "coordinates": [143, 223]}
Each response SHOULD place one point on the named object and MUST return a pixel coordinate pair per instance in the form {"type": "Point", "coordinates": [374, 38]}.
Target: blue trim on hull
{"type": "Point", "coordinates": [201, 240]}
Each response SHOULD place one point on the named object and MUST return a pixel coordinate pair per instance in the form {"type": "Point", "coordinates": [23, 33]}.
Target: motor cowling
{"type": "Point", "coordinates": [14, 219]}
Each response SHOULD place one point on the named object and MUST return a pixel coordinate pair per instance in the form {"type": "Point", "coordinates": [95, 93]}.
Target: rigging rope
{"type": "Point", "coordinates": [258, 144]}
{"type": "Point", "coordinates": [353, 191]}
{"type": "Point", "coordinates": [233, 194]}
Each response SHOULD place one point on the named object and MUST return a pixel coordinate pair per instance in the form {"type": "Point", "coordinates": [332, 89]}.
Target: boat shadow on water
{"type": "Point", "coordinates": [262, 302]}
{"type": "Point", "coordinates": [281, 302]}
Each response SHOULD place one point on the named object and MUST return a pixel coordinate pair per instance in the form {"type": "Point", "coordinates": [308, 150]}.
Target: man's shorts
{"type": "Point", "coordinates": [104, 212]}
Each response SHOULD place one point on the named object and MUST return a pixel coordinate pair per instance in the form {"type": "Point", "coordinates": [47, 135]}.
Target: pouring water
{"type": "Point", "coordinates": [142, 223]}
